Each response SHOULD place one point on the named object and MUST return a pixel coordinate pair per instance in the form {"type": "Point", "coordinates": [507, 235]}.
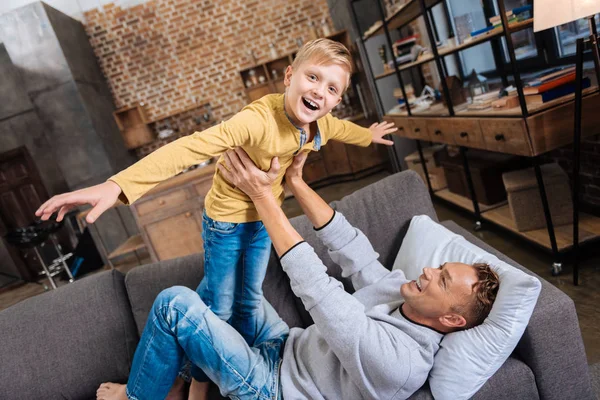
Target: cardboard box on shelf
{"type": "Point", "coordinates": [432, 157]}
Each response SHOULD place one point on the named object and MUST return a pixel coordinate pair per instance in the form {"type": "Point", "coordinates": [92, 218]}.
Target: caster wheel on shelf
{"type": "Point", "coordinates": [556, 269]}
{"type": "Point", "coordinates": [477, 226]}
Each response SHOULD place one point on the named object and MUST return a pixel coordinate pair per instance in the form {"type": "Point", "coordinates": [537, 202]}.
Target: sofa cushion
{"type": "Point", "coordinates": [478, 352]}
{"type": "Point", "coordinates": [382, 211]}
{"type": "Point", "coordinates": [62, 344]}
{"type": "Point", "coordinates": [144, 283]}
{"type": "Point", "coordinates": [514, 380]}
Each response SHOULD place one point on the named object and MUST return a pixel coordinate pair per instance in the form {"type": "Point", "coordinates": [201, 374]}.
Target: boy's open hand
{"type": "Point", "coordinates": [101, 197]}
{"type": "Point", "coordinates": [380, 129]}
{"type": "Point", "coordinates": [244, 174]}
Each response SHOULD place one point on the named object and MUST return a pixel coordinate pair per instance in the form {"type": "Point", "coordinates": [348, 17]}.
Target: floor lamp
{"type": "Point", "coordinates": [549, 14]}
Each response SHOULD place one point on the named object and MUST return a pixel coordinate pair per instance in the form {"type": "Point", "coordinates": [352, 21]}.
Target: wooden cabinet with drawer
{"type": "Point", "coordinates": [506, 135]}
{"type": "Point", "coordinates": [417, 129]}
{"type": "Point", "coordinates": [440, 130]}
{"type": "Point", "coordinates": [170, 215]}
{"type": "Point", "coordinates": [467, 132]}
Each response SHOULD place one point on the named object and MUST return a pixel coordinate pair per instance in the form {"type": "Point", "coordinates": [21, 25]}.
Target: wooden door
{"type": "Point", "coordinates": [21, 193]}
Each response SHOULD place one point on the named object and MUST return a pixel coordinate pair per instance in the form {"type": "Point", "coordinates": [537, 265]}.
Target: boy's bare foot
{"type": "Point", "coordinates": [198, 390]}
{"type": "Point", "coordinates": [111, 391]}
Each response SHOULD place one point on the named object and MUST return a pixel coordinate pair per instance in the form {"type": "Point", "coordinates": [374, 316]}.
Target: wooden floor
{"type": "Point", "coordinates": [586, 296]}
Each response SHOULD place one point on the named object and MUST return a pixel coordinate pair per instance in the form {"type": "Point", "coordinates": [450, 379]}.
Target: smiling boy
{"type": "Point", "coordinates": [275, 127]}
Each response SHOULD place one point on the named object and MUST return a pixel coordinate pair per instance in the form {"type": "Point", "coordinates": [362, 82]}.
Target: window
{"type": "Point", "coordinates": [567, 35]}
{"type": "Point", "coordinates": [533, 51]}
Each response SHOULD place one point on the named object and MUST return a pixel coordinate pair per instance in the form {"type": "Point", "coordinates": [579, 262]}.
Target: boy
{"type": "Point", "coordinates": [275, 127]}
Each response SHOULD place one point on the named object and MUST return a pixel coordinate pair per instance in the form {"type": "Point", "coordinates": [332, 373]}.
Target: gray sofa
{"type": "Point", "coordinates": [64, 343]}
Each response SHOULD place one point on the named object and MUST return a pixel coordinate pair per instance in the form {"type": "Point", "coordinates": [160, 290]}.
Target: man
{"type": "Point", "coordinates": [378, 343]}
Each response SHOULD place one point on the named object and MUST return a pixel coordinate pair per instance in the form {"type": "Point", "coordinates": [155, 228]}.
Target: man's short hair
{"type": "Point", "coordinates": [486, 290]}
{"type": "Point", "coordinates": [324, 51]}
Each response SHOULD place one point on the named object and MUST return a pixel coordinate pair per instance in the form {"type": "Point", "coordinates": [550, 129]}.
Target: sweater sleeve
{"type": "Point", "coordinates": [348, 132]}
{"type": "Point", "coordinates": [246, 128]}
{"type": "Point", "coordinates": [352, 251]}
{"type": "Point", "coordinates": [371, 352]}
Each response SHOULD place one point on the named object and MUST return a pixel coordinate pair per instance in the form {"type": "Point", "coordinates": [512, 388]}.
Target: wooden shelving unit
{"type": "Point", "coordinates": [529, 130]}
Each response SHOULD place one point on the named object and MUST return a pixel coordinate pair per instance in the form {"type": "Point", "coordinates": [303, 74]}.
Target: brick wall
{"type": "Point", "coordinates": [175, 54]}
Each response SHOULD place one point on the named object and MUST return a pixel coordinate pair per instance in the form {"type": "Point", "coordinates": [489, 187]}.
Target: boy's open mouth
{"type": "Point", "coordinates": [311, 105]}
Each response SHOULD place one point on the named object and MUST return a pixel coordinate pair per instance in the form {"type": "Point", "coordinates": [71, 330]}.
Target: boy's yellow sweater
{"type": "Point", "coordinates": [262, 129]}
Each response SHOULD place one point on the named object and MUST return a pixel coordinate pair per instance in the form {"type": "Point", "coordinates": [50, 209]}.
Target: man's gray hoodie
{"type": "Point", "coordinates": [361, 346]}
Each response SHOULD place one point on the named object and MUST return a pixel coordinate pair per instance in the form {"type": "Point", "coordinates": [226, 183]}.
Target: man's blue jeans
{"type": "Point", "coordinates": [181, 326]}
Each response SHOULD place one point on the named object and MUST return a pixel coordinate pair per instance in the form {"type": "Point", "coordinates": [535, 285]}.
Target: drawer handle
{"type": "Point", "coordinates": [438, 132]}
{"type": "Point", "coordinates": [464, 134]}
{"type": "Point", "coordinates": [161, 202]}
{"type": "Point", "coordinates": [499, 137]}
{"type": "Point", "coordinates": [417, 130]}
{"type": "Point", "coordinates": [400, 128]}
{"type": "Point", "coordinates": [188, 214]}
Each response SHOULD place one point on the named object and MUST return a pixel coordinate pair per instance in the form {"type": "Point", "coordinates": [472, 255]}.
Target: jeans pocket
{"type": "Point", "coordinates": [223, 227]}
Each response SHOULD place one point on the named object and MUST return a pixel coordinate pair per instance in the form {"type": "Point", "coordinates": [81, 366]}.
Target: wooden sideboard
{"type": "Point", "coordinates": [504, 132]}
{"type": "Point", "coordinates": [170, 215]}
{"type": "Point", "coordinates": [548, 127]}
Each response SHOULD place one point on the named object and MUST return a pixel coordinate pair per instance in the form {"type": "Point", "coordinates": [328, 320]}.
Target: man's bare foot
{"type": "Point", "coordinates": [111, 391]}
{"type": "Point", "coordinates": [198, 390]}
{"type": "Point", "coordinates": [178, 390]}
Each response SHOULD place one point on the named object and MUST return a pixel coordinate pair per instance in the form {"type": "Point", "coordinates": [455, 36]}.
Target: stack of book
{"type": "Point", "coordinates": [515, 15]}
{"type": "Point", "coordinates": [551, 85]}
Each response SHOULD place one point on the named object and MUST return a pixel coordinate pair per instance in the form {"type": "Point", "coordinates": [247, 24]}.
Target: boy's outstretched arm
{"type": "Point", "coordinates": [244, 128]}
{"type": "Point", "coordinates": [351, 133]}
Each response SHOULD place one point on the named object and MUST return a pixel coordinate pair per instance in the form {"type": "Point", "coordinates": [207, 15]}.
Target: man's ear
{"type": "Point", "coordinates": [287, 80]}
{"type": "Point", "coordinates": [453, 320]}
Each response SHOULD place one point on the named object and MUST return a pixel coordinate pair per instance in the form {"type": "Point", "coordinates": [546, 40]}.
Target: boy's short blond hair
{"type": "Point", "coordinates": [325, 51]}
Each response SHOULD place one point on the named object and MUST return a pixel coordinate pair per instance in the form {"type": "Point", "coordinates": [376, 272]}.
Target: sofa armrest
{"type": "Point", "coordinates": [551, 344]}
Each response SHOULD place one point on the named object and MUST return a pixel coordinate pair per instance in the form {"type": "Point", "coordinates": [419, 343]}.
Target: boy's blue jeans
{"type": "Point", "coordinates": [181, 326]}
{"type": "Point", "coordinates": [236, 256]}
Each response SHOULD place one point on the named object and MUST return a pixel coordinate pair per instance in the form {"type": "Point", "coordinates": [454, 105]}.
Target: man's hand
{"type": "Point", "coordinates": [101, 197]}
{"type": "Point", "coordinates": [379, 130]}
{"type": "Point", "coordinates": [294, 171]}
{"type": "Point", "coordinates": [244, 174]}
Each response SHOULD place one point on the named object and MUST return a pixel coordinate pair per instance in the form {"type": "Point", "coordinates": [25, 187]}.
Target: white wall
{"type": "Point", "coordinates": [73, 8]}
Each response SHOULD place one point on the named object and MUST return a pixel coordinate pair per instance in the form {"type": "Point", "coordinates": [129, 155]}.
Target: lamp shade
{"type": "Point", "coordinates": [551, 13]}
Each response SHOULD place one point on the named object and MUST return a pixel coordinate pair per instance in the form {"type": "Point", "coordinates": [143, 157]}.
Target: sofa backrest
{"type": "Point", "coordinates": [62, 344]}
{"type": "Point", "coordinates": [146, 282]}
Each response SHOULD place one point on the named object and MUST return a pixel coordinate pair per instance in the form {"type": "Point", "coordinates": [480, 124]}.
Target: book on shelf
{"type": "Point", "coordinates": [551, 84]}
{"type": "Point", "coordinates": [515, 15]}
{"type": "Point", "coordinates": [557, 92]}
{"type": "Point", "coordinates": [545, 76]}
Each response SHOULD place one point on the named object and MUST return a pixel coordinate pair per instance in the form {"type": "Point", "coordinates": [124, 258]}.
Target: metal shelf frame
{"type": "Point", "coordinates": [409, 13]}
